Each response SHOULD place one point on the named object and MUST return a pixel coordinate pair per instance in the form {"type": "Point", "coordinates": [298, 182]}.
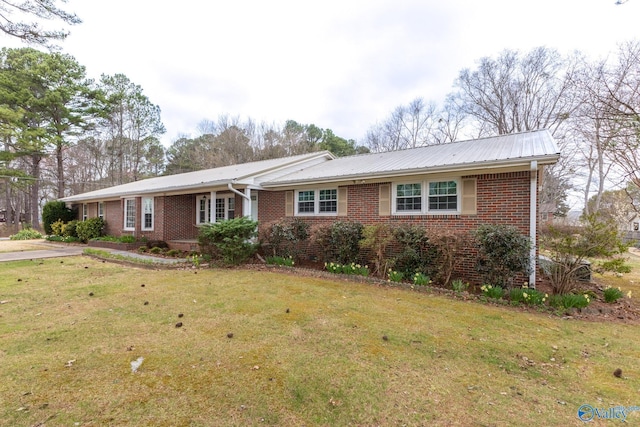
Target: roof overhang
{"type": "Point", "coordinates": [460, 169]}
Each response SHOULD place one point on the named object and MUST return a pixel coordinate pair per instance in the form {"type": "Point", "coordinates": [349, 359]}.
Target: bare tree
{"type": "Point", "coordinates": [517, 93]}
{"type": "Point", "coordinates": [621, 100]}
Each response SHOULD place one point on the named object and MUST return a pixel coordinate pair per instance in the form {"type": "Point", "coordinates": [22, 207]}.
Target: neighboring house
{"type": "Point", "coordinates": [633, 228]}
{"type": "Point", "coordinates": [459, 185]}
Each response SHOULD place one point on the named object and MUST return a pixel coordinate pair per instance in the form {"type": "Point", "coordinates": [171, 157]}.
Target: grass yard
{"type": "Point", "coordinates": [303, 351]}
{"type": "Point", "coordinates": [626, 282]}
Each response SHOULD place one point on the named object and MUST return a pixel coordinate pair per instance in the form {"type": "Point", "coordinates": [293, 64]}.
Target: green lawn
{"type": "Point", "coordinates": [65, 354]}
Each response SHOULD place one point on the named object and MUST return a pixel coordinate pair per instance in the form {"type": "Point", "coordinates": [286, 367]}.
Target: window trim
{"type": "Point", "coordinates": [424, 194]}
{"type": "Point", "coordinates": [211, 207]}
{"type": "Point", "coordinates": [316, 202]}
{"type": "Point", "coordinates": [133, 216]}
{"type": "Point", "coordinates": [207, 209]}
{"type": "Point", "coordinates": [143, 213]}
{"type": "Point", "coordinates": [458, 208]}
{"type": "Point", "coordinates": [394, 197]}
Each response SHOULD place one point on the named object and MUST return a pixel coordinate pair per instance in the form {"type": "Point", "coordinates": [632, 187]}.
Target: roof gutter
{"type": "Point", "coordinates": [246, 202]}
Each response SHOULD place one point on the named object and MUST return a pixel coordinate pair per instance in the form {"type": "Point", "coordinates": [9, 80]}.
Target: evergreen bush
{"type": "Point", "coordinates": [56, 211]}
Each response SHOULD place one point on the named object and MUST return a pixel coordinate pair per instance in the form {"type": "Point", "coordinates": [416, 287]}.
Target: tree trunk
{"type": "Point", "coordinates": [34, 209]}
{"type": "Point", "coordinates": [60, 165]}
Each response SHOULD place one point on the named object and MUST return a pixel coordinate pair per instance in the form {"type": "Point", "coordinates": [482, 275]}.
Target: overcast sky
{"type": "Point", "coordinates": [342, 65]}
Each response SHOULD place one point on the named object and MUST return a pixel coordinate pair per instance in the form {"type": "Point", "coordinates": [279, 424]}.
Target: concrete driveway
{"type": "Point", "coordinates": [47, 251]}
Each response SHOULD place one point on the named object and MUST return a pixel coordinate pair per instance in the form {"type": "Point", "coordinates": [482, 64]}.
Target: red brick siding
{"type": "Point", "coordinates": [113, 216]}
{"type": "Point", "coordinates": [179, 213]}
{"type": "Point", "coordinates": [501, 199]}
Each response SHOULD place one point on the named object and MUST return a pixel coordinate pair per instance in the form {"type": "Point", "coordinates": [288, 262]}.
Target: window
{"type": "Point", "coordinates": [636, 226]}
{"type": "Point", "coordinates": [443, 196]}
{"type": "Point", "coordinates": [85, 214]}
{"type": "Point", "coordinates": [129, 214]}
{"type": "Point", "coordinates": [220, 209]}
{"type": "Point", "coordinates": [306, 201]}
{"type": "Point", "coordinates": [426, 197]}
{"type": "Point", "coordinates": [147, 213]}
{"type": "Point", "coordinates": [231, 209]}
{"type": "Point", "coordinates": [101, 210]}
{"type": "Point", "coordinates": [324, 201]}
{"type": "Point", "coordinates": [223, 208]}
{"type": "Point", "coordinates": [409, 197]}
{"type": "Point", "coordinates": [328, 201]}
{"type": "Point", "coordinates": [203, 205]}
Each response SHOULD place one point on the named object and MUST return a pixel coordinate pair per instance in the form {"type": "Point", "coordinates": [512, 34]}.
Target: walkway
{"type": "Point", "coordinates": [55, 251]}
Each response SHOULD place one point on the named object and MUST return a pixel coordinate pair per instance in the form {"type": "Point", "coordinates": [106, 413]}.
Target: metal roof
{"type": "Point", "coordinates": [499, 151]}
{"type": "Point", "coordinates": [245, 173]}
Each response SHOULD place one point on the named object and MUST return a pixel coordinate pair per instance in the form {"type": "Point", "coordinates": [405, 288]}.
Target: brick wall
{"type": "Point", "coordinates": [179, 214]}
{"type": "Point", "coordinates": [501, 199]}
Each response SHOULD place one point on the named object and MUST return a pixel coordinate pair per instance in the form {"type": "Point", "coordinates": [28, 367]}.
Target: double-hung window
{"type": "Point", "coordinates": [101, 210]}
{"type": "Point", "coordinates": [322, 201]}
{"type": "Point", "coordinates": [328, 201]}
{"type": "Point", "coordinates": [443, 196]}
{"type": "Point", "coordinates": [409, 197]}
{"type": "Point", "coordinates": [147, 213]}
{"type": "Point", "coordinates": [427, 197]}
{"type": "Point", "coordinates": [85, 213]}
{"type": "Point", "coordinates": [129, 214]}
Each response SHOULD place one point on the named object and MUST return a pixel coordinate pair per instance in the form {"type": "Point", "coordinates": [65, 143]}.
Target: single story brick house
{"type": "Point", "coordinates": [462, 185]}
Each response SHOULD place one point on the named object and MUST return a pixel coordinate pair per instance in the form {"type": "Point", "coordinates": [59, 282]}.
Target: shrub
{"type": "Point", "coordinates": [127, 238]}
{"type": "Point", "coordinates": [229, 240]}
{"type": "Point", "coordinates": [616, 265]}
{"type": "Point", "coordinates": [503, 252]}
{"type": "Point", "coordinates": [90, 229]}
{"type": "Point", "coordinates": [285, 237]}
{"type": "Point", "coordinates": [156, 250]}
{"type": "Point", "coordinates": [142, 249]}
{"type": "Point", "coordinates": [26, 234]}
{"type": "Point", "coordinates": [445, 251]}
{"type": "Point", "coordinates": [569, 248]}
{"type": "Point", "coordinates": [156, 244]}
{"type": "Point", "coordinates": [57, 228]}
{"type": "Point", "coordinates": [459, 286]}
{"type": "Point", "coordinates": [376, 239]}
{"type": "Point", "coordinates": [414, 252]}
{"type": "Point", "coordinates": [173, 253]}
{"type": "Point", "coordinates": [62, 239]}
{"type": "Point", "coordinates": [69, 229]}
{"type": "Point", "coordinates": [612, 295]}
{"type": "Point", "coordinates": [55, 211]}
{"type": "Point", "coordinates": [340, 241]}
{"type": "Point", "coordinates": [490, 291]}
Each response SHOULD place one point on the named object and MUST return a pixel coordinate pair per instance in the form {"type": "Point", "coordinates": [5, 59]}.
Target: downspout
{"type": "Point", "coordinates": [533, 222]}
{"type": "Point", "coordinates": [246, 205]}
